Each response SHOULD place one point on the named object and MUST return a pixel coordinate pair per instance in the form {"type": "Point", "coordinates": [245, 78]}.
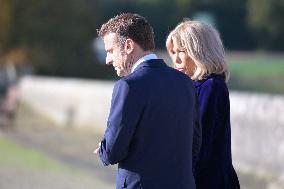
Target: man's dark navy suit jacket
{"type": "Point", "coordinates": [150, 129]}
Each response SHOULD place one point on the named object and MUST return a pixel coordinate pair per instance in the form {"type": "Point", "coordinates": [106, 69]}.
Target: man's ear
{"type": "Point", "coordinates": [129, 46]}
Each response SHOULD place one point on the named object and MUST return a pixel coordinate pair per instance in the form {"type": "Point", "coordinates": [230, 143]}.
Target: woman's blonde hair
{"type": "Point", "coordinates": [204, 46]}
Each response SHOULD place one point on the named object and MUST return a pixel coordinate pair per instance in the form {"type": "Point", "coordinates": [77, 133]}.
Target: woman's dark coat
{"type": "Point", "coordinates": [214, 169]}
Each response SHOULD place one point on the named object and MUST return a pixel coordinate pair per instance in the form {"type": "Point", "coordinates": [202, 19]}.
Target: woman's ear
{"type": "Point", "coordinates": [129, 46]}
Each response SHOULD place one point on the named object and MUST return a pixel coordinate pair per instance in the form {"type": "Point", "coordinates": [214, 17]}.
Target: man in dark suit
{"type": "Point", "coordinates": [153, 112]}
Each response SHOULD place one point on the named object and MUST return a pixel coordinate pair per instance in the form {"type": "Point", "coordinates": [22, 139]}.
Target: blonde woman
{"type": "Point", "coordinates": [197, 50]}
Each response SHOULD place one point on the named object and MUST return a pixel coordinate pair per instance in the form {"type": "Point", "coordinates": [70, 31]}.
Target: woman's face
{"type": "Point", "coordinates": [182, 61]}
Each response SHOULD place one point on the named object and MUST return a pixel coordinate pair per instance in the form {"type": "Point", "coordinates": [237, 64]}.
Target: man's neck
{"type": "Point", "coordinates": [147, 56]}
{"type": "Point", "coordinates": [141, 55]}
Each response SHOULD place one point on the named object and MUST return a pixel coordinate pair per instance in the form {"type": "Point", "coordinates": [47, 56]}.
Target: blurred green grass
{"type": "Point", "coordinates": [14, 155]}
{"type": "Point", "coordinates": [256, 72]}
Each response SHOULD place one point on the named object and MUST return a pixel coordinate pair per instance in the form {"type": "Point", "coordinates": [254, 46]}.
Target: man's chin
{"type": "Point", "coordinates": [121, 73]}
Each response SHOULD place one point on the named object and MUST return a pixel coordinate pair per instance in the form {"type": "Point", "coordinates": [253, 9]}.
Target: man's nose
{"type": "Point", "coordinates": [108, 61]}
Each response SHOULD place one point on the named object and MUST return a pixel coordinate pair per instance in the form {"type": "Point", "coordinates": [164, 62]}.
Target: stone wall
{"type": "Point", "coordinates": [68, 102]}
{"type": "Point", "coordinates": [258, 135]}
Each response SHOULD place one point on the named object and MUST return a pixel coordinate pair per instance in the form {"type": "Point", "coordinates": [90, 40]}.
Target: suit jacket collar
{"type": "Point", "coordinates": [151, 63]}
{"type": "Point", "coordinates": [144, 58]}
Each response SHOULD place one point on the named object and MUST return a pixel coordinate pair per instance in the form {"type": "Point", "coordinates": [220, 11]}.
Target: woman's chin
{"type": "Point", "coordinates": [181, 70]}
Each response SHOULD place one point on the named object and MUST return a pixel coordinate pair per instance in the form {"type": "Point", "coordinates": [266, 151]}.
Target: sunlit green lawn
{"type": "Point", "coordinates": [257, 64]}
{"type": "Point", "coordinates": [257, 72]}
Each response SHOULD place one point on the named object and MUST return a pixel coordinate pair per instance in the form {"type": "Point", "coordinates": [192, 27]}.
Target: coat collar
{"type": "Point", "coordinates": [198, 83]}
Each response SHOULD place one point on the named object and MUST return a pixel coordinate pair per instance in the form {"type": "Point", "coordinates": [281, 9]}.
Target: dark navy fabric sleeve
{"type": "Point", "coordinates": [208, 113]}
{"type": "Point", "coordinates": [197, 136]}
{"type": "Point", "coordinates": [121, 125]}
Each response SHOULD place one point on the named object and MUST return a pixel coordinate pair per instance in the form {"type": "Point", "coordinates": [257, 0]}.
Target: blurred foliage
{"type": "Point", "coordinates": [265, 17]}
{"type": "Point", "coordinates": [5, 23]}
{"type": "Point", "coordinates": [15, 56]}
{"type": "Point", "coordinates": [56, 37]}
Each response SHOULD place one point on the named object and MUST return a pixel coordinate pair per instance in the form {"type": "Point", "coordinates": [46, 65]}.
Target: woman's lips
{"type": "Point", "coordinates": [180, 69]}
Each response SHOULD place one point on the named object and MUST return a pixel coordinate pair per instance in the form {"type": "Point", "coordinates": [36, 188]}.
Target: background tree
{"type": "Point", "coordinates": [265, 18]}
{"type": "Point", "coordinates": [6, 20]}
{"type": "Point", "coordinates": [6, 12]}
{"type": "Point", "coordinates": [56, 37]}
{"type": "Point", "coordinates": [60, 34]}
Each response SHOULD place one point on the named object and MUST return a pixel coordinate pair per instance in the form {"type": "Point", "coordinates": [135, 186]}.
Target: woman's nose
{"type": "Point", "coordinates": [177, 60]}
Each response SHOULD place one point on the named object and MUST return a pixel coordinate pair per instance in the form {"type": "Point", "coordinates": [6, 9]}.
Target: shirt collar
{"type": "Point", "coordinates": [143, 59]}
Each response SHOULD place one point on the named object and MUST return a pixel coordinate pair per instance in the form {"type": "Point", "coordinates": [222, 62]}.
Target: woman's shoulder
{"type": "Point", "coordinates": [212, 85]}
{"type": "Point", "coordinates": [213, 89]}
{"type": "Point", "coordinates": [211, 81]}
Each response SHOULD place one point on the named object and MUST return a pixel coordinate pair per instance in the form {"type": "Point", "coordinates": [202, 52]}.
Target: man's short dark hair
{"type": "Point", "coordinates": [133, 26]}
